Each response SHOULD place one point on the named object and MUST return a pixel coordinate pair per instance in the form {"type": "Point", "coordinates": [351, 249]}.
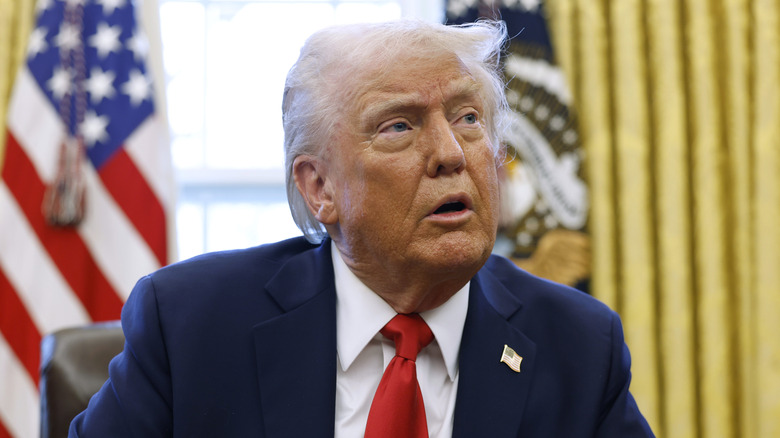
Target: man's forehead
{"type": "Point", "coordinates": [418, 83]}
{"type": "Point", "coordinates": [445, 92]}
{"type": "Point", "coordinates": [397, 71]}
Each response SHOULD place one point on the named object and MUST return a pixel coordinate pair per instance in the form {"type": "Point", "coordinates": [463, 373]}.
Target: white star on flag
{"type": "Point", "coordinates": [459, 7]}
{"type": "Point", "coordinates": [106, 39]}
{"type": "Point", "coordinates": [69, 37]}
{"type": "Point", "coordinates": [139, 45]}
{"type": "Point", "coordinates": [109, 6]}
{"type": "Point", "coordinates": [42, 5]}
{"type": "Point", "coordinates": [100, 85]}
{"type": "Point", "coordinates": [94, 128]}
{"type": "Point", "coordinates": [37, 42]}
{"type": "Point", "coordinates": [531, 5]}
{"type": "Point", "coordinates": [138, 87]}
{"type": "Point", "coordinates": [60, 82]}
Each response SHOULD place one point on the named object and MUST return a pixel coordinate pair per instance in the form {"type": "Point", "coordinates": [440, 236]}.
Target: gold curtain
{"type": "Point", "coordinates": [679, 105]}
{"type": "Point", "coordinates": [16, 21]}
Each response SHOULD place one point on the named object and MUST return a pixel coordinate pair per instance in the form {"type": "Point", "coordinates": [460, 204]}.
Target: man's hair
{"type": "Point", "coordinates": [322, 82]}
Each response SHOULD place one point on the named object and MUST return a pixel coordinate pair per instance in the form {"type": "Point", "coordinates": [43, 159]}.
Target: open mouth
{"type": "Point", "coordinates": [450, 207]}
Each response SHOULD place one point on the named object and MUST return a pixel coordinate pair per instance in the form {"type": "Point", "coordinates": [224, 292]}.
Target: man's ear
{"type": "Point", "coordinates": [311, 178]}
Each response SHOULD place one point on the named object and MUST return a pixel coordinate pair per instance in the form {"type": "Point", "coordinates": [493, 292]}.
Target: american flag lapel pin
{"type": "Point", "coordinates": [511, 359]}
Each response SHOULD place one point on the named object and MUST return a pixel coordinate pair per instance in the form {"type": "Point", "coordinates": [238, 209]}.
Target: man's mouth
{"type": "Point", "coordinates": [450, 207]}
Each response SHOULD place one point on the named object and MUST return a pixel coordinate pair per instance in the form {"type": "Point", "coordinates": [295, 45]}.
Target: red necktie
{"type": "Point", "coordinates": [397, 409]}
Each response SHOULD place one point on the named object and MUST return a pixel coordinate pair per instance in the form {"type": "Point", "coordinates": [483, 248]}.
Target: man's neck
{"type": "Point", "coordinates": [406, 290]}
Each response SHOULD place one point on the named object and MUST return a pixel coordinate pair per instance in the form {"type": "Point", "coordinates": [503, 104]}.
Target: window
{"type": "Point", "coordinates": [225, 64]}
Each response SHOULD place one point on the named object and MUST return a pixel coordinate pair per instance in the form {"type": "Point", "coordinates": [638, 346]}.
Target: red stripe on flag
{"type": "Point", "coordinates": [64, 245]}
{"type": "Point", "coordinates": [3, 432]}
{"type": "Point", "coordinates": [134, 196]}
{"type": "Point", "coordinates": [18, 328]}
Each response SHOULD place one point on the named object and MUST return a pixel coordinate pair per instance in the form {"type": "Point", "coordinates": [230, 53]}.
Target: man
{"type": "Point", "coordinates": [392, 148]}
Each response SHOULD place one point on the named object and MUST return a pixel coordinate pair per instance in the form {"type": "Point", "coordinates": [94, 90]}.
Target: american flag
{"type": "Point", "coordinates": [512, 359]}
{"type": "Point", "coordinates": [84, 85]}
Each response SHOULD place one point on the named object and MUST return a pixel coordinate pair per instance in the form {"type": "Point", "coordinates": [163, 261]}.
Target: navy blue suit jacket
{"type": "Point", "coordinates": [243, 344]}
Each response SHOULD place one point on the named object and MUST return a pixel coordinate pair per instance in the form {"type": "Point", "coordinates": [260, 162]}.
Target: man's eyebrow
{"type": "Point", "coordinates": [463, 89]}
{"type": "Point", "coordinates": [456, 91]}
{"type": "Point", "coordinates": [394, 104]}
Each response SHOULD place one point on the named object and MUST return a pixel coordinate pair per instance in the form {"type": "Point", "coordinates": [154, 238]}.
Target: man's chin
{"type": "Point", "coordinates": [454, 252]}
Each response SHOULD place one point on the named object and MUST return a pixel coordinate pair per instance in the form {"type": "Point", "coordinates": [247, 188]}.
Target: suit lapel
{"type": "Point", "coordinates": [491, 396]}
{"type": "Point", "coordinates": [296, 351]}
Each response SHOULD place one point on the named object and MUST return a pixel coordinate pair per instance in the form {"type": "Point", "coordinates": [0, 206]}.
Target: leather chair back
{"type": "Point", "coordinates": [74, 365]}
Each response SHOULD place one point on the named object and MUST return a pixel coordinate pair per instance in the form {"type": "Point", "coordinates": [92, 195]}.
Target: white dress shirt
{"type": "Point", "coordinates": [363, 354]}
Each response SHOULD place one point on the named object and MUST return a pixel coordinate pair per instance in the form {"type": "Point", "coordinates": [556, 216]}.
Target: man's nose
{"type": "Point", "coordinates": [446, 152]}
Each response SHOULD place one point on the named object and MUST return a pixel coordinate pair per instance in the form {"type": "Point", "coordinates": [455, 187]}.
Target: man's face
{"type": "Point", "coordinates": [413, 170]}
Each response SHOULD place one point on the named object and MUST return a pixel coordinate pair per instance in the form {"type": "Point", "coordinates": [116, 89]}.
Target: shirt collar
{"type": "Point", "coordinates": [360, 314]}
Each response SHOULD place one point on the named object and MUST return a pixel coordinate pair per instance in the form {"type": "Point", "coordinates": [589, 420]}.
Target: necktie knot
{"type": "Point", "coordinates": [409, 333]}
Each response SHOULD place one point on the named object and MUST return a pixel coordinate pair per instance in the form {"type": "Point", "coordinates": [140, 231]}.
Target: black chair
{"type": "Point", "coordinates": [74, 365]}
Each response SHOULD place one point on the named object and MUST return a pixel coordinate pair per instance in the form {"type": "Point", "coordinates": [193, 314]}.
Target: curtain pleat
{"type": "Point", "coordinates": [679, 109]}
{"type": "Point", "coordinates": [766, 206]}
{"type": "Point", "coordinates": [633, 194]}
{"type": "Point", "coordinates": [592, 75]}
{"type": "Point", "coordinates": [16, 21]}
{"type": "Point", "coordinates": [708, 166]}
{"type": "Point", "coordinates": [735, 65]}
{"type": "Point", "coordinates": [671, 176]}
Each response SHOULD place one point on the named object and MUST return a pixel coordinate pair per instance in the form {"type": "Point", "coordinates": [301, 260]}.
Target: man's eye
{"type": "Point", "coordinates": [470, 118]}
{"type": "Point", "coordinates": [399, 127]}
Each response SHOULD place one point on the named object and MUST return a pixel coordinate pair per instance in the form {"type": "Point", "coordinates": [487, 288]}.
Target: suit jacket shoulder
{"type": "Point", "coordinates": [572, 309]}
{"type": "Point", "coordinates": [217, 346]}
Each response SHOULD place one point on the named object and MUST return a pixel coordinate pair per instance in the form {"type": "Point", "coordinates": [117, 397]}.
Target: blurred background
{"type": "Point", "coordinates": [645, 170]}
